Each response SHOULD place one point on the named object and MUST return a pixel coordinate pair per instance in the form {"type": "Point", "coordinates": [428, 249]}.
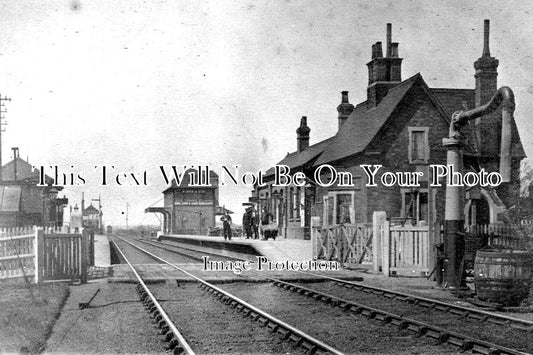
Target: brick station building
{"type": "Point", "coordinates": [400, 125]}
{"type": "Point", "coordinates": [190, 209]}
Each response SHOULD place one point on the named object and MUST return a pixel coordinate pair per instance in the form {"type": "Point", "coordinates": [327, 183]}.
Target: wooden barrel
{"type": "Point", "coordinates": [503, 276]}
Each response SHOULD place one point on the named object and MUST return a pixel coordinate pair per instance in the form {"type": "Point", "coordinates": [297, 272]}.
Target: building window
{"type": "Point", "coordinates": [294, 203]}
{"type": "Point", "coordinates": [415, 206]}
{"type": "Point", "coordinates": [418, 145]}
{"type": "Point", "coordinates": [339, 208]}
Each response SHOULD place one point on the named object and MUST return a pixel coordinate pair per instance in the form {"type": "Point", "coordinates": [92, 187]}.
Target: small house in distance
{"type": "Point", "coordinates": [22, 202]}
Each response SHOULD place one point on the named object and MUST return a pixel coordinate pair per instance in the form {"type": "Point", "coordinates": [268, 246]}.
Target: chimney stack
{"type": "Point", "coordinates": [302, 134]}
{"type": "Point", "coordinates": [345, 108]}
{"type": "Point", "coordinates": [384, 72]}
{"type": "Point", "coordinates": [15, 157]}
{"type": "Point", "coordinates": [487, 128]}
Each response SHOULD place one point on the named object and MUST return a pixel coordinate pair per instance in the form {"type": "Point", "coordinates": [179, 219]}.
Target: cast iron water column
{"type": "Point", "coordinates": [454, 213]}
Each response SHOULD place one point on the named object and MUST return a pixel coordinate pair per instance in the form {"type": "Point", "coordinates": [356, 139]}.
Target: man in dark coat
{"type": "Point", "coordinates": [226, 223]}
{"type": "Point", "coordinates": [246, 220]}
{"type": "Point", "coordinates": [254, 224]}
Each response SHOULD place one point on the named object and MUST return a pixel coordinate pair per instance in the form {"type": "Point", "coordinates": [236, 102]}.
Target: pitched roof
{"type": "Point", "coordinates": [91, 210]}
{"type": "Point", "coordinates": [307, 156]}
{"type": "Point", "coordinates": [364, 124]}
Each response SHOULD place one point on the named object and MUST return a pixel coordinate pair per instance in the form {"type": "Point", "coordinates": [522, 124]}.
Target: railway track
{"type": "Point", "coordinates": [426, 303]}
{"type": "Point", "coordinates": [465, 312]}
{"type": "Point", "coordinates": [441, 334]}
{"type": "Point", "coordinates": [178, 343]}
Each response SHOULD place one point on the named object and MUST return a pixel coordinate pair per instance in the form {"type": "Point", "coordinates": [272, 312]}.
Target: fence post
{"type": "Point", "coordinates": [385, 248]}
{"type": "Point", "coordinates": [84, 255]}
{"type": "Point", "coordinates": [315, 222]}
{"type": "Point", "coordinates": [39, 255]}
{"type": "Point", "coordinates": [378, 219]}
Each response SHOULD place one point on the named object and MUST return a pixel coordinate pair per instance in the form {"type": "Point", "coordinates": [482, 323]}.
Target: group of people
{"type": "Point", "coordinates": [250, 223]}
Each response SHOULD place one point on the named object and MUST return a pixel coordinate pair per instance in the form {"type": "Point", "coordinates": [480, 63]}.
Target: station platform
{"type": "Point", "coordinates": [102, 254]}
{"type": "Point", "coordinates": [242, 248]}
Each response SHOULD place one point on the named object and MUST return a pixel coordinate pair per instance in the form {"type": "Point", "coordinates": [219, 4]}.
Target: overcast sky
{"type": "Point", "coordinates": [137, 84]}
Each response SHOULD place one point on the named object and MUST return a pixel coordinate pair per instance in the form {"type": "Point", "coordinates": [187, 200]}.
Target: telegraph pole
{"type": "Point", "coordinates": [101, 226]}
{"type": "Point", "coordinates": [3, 110]}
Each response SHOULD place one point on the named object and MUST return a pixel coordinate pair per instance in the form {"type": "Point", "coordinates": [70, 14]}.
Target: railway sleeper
{"type": "Point", "coordinates": [443, 338]}
{"type": "Point", "coordinates": [168, 336]}
{"type": "Point", "coordinates": [498, 321]}
{"type": "Point", "coordinates": [263, 321]}
{"type": "Point", "coordinates": [421, 331]}
{"type": "Point", "coordinates": [431, 333]}
{"type": "Point", "coordinates": [272, 326]}
{"type": "Point", "coordinates": [455, 341]}
{"type": "Point", "coordinates": [296, 339]}
{"type": "Point", "coordinates": [178, 350]}
{"type": "Point", "coordinates": [467, 345]}
{"type": "Point", "coordinates": [284, 333]}
{"type": "Point", "coordinates": [157, 319]}
{"type": "Point", "coordinates": [457, 312]}
{"type": "Point", "coordinates": [164, 329]}
{"type": "Point", "coordinates": [174, 345]}
{"type": "Point", "coordinates": [309, 347]}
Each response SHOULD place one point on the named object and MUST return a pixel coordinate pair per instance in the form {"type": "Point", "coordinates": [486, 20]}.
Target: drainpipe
{"type": "Point", "coordinates": [454, 212]}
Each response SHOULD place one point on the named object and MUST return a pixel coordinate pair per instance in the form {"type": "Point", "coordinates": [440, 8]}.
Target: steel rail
{"type": "Point", "coordinates": [287, 331]}
{"type": "Point", "coordinates": [419, 328]}
{"type": "Point", "coordinates": [177, 342]}
{"type": "Point", "coordinates": [473, 313]}
{"type": "Point", "coordinates": [172, 248]}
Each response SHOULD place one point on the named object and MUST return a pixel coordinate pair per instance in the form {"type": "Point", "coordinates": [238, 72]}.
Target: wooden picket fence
{"type": "Point", "coordinates": [45, 256]}
{"type": "Point", "coordinates": [407, 250]}
{"type": "Point", "coordinates": [393, 250]}
{"type": "Point", "coordinates": [506, 236]}
{"type": "Point", "coordinates": [348, 244]}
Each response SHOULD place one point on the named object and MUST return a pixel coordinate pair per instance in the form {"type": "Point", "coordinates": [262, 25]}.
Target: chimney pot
{"type": "Point", "coordinates": [394, 50]}
{"type": "Point", "coordinates": [389, 39]}
{"type": "Point", "coordinates": [379, 50]}
{"type": "Point", "coordinates": [302, 135]}
{"type": "Point", "coordinates": [486, 32]}
{"type": "Point", "coordinates": [345, 108]}
{"type": "Point", "coordinates": [374, 51]}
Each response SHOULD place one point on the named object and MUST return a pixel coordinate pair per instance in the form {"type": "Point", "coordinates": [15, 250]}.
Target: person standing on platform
{"type": "Point", "coordinates": [254, 223]}
{"type": "Point", "coordinates": [226, 223]}
{"type": "Point", "coordinates": [246, 223]}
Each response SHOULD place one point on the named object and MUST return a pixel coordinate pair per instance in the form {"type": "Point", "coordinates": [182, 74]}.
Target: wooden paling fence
{"type": "Point", "coordinates": [507, 236]}
{"type": "Point", "coordinates": [407, 250]}
{"type": "Point", "coordinates": [45, 256]}
{"type": "Point", "coordinates": [17, 255]}
{"type": "Point", "coordinates": [345, 243]}
{"type": "Point", "coordinates": [393, 250]}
